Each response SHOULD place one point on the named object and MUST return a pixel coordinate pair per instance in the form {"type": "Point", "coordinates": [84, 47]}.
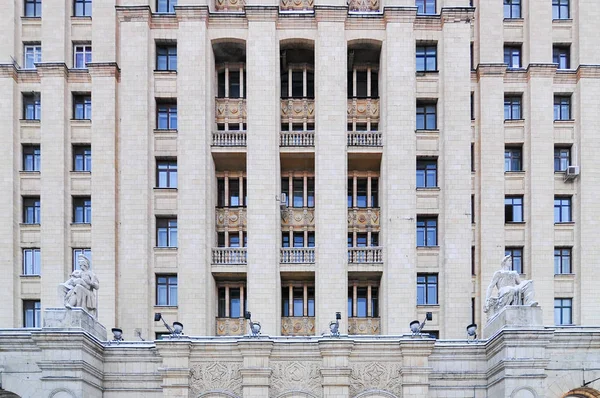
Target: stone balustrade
{"type": "Point", "coordinates": [297, 255]}
{"type": "Point", "coordinates": [298, 326]}
{"type": "Point", "coordinates": [298, 110]}
{"type": "Point", "coordinates": [363, 110]}
{"type": "Point", "coordinates": [365, 255]}
{"type": "Point", "coordinates": [364, 138]}
{"type": "Point", "coordinates": [229, 255]}
{"type": "Point", "coordinates": [363, 5]}
{"type": "Point", "coordinates": [231, 326]}
{"type": "Point", "coordinates": [231, 218]}
{"type": "Point", "coordinates": [230, 110]}
{"type": "Point", "coordinates": [296, 5]}
{"type": "Point", "coordinates": [364, 326]}
{"type": "Point", "coordinates": [229, 138]}
{"type": "Point", "coordinates": [359, 217]}
{"type": "Point", "coordinates": [297, 138]}
{"type": "Point", "coordinates": [230, 5]}
{"type": "Point", "coordinates": [298, 217]}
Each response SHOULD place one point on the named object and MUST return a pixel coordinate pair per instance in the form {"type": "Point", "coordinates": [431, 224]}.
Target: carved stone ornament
{"type": "Point", "coordinates": [295, 376]}
{"type": "Point", "coordinates": [216, 376]}
{"type": "Point", "coordinates": [376, 376]}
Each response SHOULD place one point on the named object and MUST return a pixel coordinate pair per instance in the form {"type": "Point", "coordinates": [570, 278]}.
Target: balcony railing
{"type": "Point", "coordinates": [365, 255]}
{"type": "Point", "coordinates": [298, 110]}
{"type": "Point", "coordinates": [231, 217]}
{"type": "Point", "coordinates": [230, 5]}
{"type": "Point", "coordinates": [297, 255]}
{"type": "Point", "coordinates": [230, 110]}
{"type": "Point", "coordinates": [363, 110]}
{"type": "Point", "coordinates": [229, 138]}
{"type": "Point", "coordinates": [229, 255]}
{"type": "Point", "coordinates": [363, 5]}
{"type": "Point", "coordinates": [296, 5]}
{"type": "Point", "coordinates": [364, 138]}
{"type": "Point", "coordinates": [298, 326]}
{"type": "Point", "coordinates": [298, 217]}
{"type": "Point", "coordinates": [363, 326]}
{"type": "Point", "coordinates": [363, 217]}
{"type": "Point", "coordinates": [297, 138]}
{"type": "Point", "coordinates": [231, 326]}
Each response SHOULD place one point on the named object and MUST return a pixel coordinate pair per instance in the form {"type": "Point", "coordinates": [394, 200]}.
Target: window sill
{"type": "Point", "coordinates": [31, 276]}
{"type": "Point", "coordinates": [569, 275]}
{"type": "Point", "coordinates": [567, 223]}
{"type": "Point", "coordinates": [427, 72]}
{"type": "Point", "coordinates": [164, 14]}
{"type": "Point", "coordinates": [29, 224]}
{"type": "Point", "coordinates": [563, 121]}
{"type": "Point", "coordinates": [166, 189]}
{"type": "Point", "coordinates": [81, 224]}
{"type": "Point", "coordinates": [515, 121]}
{"type": "Point", "coordinates": [437, 305]}
{"type": "Point", "coordinates": [82, 121]}
{"type": "Point", "coordinates": [167, 131]}
{"type": "Point", "coordinates": [30, 18]}
{"type": "Point", "coordinates": [514, 223]}
{"type": "Point", "coordinates": [81, 172]}
{"type": "Point", "coordinates": [30, 172]}
{"type": "Point", "coordinates": [165, 248]}
{"type": "Point", "coordinates": [428, 189]}
{"type": "Point", "coordinates": [562, 20]}
{"type": "Point", "coordinates": [514, 20]}
{"type": "Point", "coordinates": [428, 248]}
{"type": "Point", "coordinates": [428, 131]}
{"type": "Point", "coordinates": [165, 71]}
{"type": "Point", "coordinates": [514, 172]}
{"type": "Point", "coordinates": [166, 306]}
{"type": "Point", "coordinates": [30, 121]}
{"type": "Point", "coordinates": [81, 18]}
{"type": "Point", "coordinates": [515, 69]}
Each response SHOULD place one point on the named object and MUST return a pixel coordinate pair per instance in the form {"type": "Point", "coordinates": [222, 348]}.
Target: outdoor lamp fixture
{"type": "Point", "coordinates": [334, 327]}
{"type": "Point", "coordinates": [416, 326]}
{"type": "Point", "coordinates": [176, 330]}
{"type": "Point", "coordinates": [117, 334]}
{"type": "Point", "coordinates": [254, 326]}
{"type": "Point", "coordinates": [472, 332]}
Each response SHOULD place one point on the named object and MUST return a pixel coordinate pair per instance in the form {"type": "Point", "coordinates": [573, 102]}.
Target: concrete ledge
{"type": "Point", "coordinates": [513, 316]}
{"type": "Point", "coordinates": [73, 319]}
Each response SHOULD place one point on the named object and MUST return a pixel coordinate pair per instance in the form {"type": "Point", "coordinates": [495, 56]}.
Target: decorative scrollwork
{"type": "Point", "coordinates": [294, 375]}
{"type": "Point", "coordinates": [221, 376]}
{"type": "Point", "coordinates": [376, 375]}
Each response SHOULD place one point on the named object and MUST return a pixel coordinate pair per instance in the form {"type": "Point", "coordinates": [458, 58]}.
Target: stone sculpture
{"type": "Point", "coordinates": [79, 289]}
{"type": "Point", "coordinates": [511, 289]}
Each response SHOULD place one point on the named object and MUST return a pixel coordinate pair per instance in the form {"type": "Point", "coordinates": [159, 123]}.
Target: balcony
{"type": "Point", "coordinates": [297, 110]}
{"type": "Point", "coordinates": [297, 255]}
{"type": "Point", "coordinates": [231, 326]}
{"type": "Point", "coordinates": [298, 326]}
{"type": "Point", "coordinates": [229, 256]}
{"type": "Point", "coordinates": [230, 110]}
{"type": "Point", "coordinates": [298, 217]}
{"type": "Point", "coordinates": [363, 6]}
{"type": "Point", "coordinates": [364, 138]}
{"type": "Point", "coordinates": [296, 5]}
{"type": "Point", "coordinates": [297, 138]}
{"type": "Point", "coordinates": [365, 255]}
{"type": "Point", "coordinates": [363, 217]}
{"type": "Point", "coordinates": [230, 5]}
{"type": "Point", "coordinates": [365, 326]}
{"type": "Point", "coordinates": [231, 218]}
{"type": "Point", "coordinates": [229, 138]}
{"type": "Point", "coordinates": [363, 110]}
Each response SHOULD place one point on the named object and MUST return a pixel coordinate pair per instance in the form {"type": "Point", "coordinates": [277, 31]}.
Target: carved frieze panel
{"type": "Point", "coordinates": [363, 5]}
{"type": "Point", "coordinates": [231, 326]}
{"type": "Point", "coordinates": [295, 376]}
{"type": "Point", "coordinates": [298, 217]}
{"type": "Point", "coordinates": [296, 5]}
{"type": "Point", "coordinates": [231, 110]}
{"type": "Point", "coordinates": [216, 376]}
{"type": "Point", "coordinates": [297, 110]}
{"type": "Point", "coordinates": [363, 217]}
{"type": "Point", "coordinates": [362, 109]}
{"type": "Point", "coordinates": [298, 326]}
{"type": "Point", "coordinates": [363, 326]}
{"type": "Point", "coordinates": [231, 218]}
{"type": "Point", "coordinates": [384, 376]}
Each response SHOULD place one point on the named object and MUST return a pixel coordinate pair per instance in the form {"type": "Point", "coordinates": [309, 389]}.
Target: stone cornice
{"type": "Point", "coordinates": [331, 13]}
{"type": "Point", "coordinates": [191, 13]}
{"type": "Point", "coordinates": [457, 14]}
{"type": "Point", "coordinates": [416, 347]}
{"type": "Point", "coordinates": [52, 69]}
{"type": "Point", "coordinates": [495, 69]}
{"type": "Point", "coordinates": [262, 13]}
{"type": "Point", "coordinates": [133, 13]}
{"type": "Point", "coordinates": [400, 14]}
{"type": "Point", "coordinates": [104, 69]}
{"type": "Point", "coordinates": [331, 347]}
{"type": "Point", "coordinates": [257, 347]}
{"type": "Point", "coordinates": [8, 70]}
{"type": "Point", "coordinates": [588, 72]}
{"type": "Point", "coordinates": [541, 70]}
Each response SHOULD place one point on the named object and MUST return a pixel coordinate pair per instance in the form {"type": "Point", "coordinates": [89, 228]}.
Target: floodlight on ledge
{"type": "Point", "coordinates": [117, 335]}
{"type": "Point", "coordinates": [472, 332]}
{"type": "Point", "coordinates": [416, 326]}
{"type": "Point", "coordinates": [176, 330]}
{"type": "Point", "coordinates": [334, 326]}
{"type": "Point", "coordinates": [254, 326]}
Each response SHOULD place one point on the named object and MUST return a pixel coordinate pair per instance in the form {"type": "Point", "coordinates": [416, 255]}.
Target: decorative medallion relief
{"type": "Point", "coordinates": [230, 5]}
{"type": "Point", "coordinates": [298, 326]}
{"type": "Point", "coordinates": [216, 376]}
{"type": "Point", "coordinates": [296, 376]}
{"type": "Point", "coordinates": [298, 110]}
{"type": "Point", "coordinates": [298, 217]}
{"type": "Point", "coordinates": [359, 217]}
{"type": "Point", "coordinates": [376, 376]}
{"type": "Point", "coordinates": [296, 5]}
{"type": "Point", "coordinates": [231, 218]}
{"type": "Point", "coordinates": [363, 5]}
{"type": "Point", "coordinates": [231, 326]}
{"type": "Point", "coordinates": [363, 326]}
{"type": "Point", "coordinates": [231, 110]}
{"type": "Point", "coordinates": [362, 109]}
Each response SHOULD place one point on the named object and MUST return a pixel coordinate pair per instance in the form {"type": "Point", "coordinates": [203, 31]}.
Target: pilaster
{"type": "Point", "coordinates": [415, 366]}
{"type": "Point", "coordinates": [256, 372]}
{"type": "Point", "coordinates": [489, 27]}
{"type": "Point", "coordinates": [55, 30]}
{"type": "Point", "coordinates": [175, 368]}
{"type": "Point", "coordinates": [585, 15]}
{"type": "Point", "coordinates": [335, 369]}
{"type": "Point", "coordinates": [537, 45]}
{"type": "Point", "coordinates": [104, 25]}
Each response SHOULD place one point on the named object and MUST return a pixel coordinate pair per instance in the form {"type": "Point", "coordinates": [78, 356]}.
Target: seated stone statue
{"type": "Point", "coordinates": [511, 289]}
{"type": "Point", "coordinates": [79, 290]}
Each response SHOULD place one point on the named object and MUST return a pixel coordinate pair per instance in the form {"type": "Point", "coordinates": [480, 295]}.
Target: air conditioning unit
{"type": "Point", "coordinates": [571, 173]}
{"type": "Point", "coordinates": [283, 200]}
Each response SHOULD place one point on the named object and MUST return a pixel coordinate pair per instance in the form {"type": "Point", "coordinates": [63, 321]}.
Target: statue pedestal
{"type": "Point", "coordinates": [76, 319]}
{"type": "Point", "coordinates": [514, 316]}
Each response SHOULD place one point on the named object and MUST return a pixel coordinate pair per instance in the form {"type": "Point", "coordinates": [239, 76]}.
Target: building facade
{"type": "Point", "coordinates": [298, 159]}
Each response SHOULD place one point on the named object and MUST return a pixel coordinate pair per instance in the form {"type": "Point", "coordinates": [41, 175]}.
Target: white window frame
{"type": "Point", "coordinates": [29, 61]}
{"type": "Point", "coordinates": [83, 50]}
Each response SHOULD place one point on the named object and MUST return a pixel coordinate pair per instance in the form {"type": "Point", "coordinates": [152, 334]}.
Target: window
{"type": "Point", "coordinates": [82, 55]}
{"type": "Point", "coordinates": [561, 55]}
{"type": "Point", "coordinates": [83, 8]}
{"type": "Point", "coordinates": [562, 260]}
{"type": "Point", "coordinates": [32, 314]}
{"type": "Point", "coordinates": [166, 174]}
{"type": "Point", "coordinates": [426, 58]}
{"type": "Point", "coordinates": [33, 8]}
{"type": "Point", "coordinates": [231, 301]}
{"type": "Point", "coordinates": [472, 209]}
{"type": "Point", "coordinates": [297, 300]}
{"type": "Point", "coordinates": [512, 56]}
{"type": "Point", "coordinates": [512, 107]}
{"type": "Point", "coordinates": [166, 290]}
{"type": "Point", "coordinates": [563, 311]}
{"type": "Point", "coordinates": [298, 82]}
{"type": "Point", "coordinates": [358, 83]}
{"type": "Point", "coordinates": [32, 54]}
{"type": "Point", "coordinates": [82, 210]}
{"type": "Point", "coordinates": [425, 7]}
{"type": "Point", "coordinates": [82, 106]}
{"type": "Point", "coordinates": [363, 192]}
{"type": "Point", "coordinates": [32, 106]}
{"type": "Point", "coordinates": [31, 210]}
{"type": "Point", "coordinates": [472, 157]}
{"type": "Point", "coordinates": [236, 186]}
{"type": "Point", "coordinates": [473, 264]}
{"type": "Point", "coordinates": [562, 158]}
{"type": "Point", "coordinates": [560, 9]}
{"type": "Point", "coordinates": [31, 158]}
{"type": "Point", "coordinates": [427, 289]}
{"type": "Point", "coordinates": [32, 262]}
{"type": "Point", "coordinates": [231, 82]}
{"type": "Point", "coordinates": [513, 209]}
{"type": "Point", "coordinates": [166, 116]}
{"type": "Point", "coordinates": [562, 107]}
{"type": "Point", "coordinates": [426, 115]}
{"type": "Point", "coordinates": [359, 296]}
{"type": "Point", "coordinates": [513, 157]}
{"type": "Point", "coordinates": [517, 258]}
{"type": "Point", "coordinates": [77, 252]}
{"type": "Point", "coordinates": [512, 9]}
{"type": "Point", "coordinates": [166, 57]}
{"type": "Point", "coordinates": [426, 231]}
{"type": "Point", "coordinates": [562, 209]}
{"type": "Point", "coordinates": [166, 6]}
{"type": "Point", "coordinates": [82, 158]}
{"type": "Point", "coordinates": [426, 173]}
{"type": "Point", "coordinates": [472, 105]}
{"type": "Point", "coordinates": [166, 232]}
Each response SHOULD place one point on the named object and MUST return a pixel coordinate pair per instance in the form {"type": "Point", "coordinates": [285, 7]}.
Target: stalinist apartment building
{"type": "Point", "coordinates": [299, 158]}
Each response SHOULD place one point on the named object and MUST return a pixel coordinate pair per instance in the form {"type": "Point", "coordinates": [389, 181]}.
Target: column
{"type": "Point", "coordinates": [538, 45]}
{"type": "Point", "coordinates": [264, 217]}
{"type": "Point", "coordinates": [104, 188]}
{"type": "Point", "coordinates": [137, 232]}
{"type": "Point", "coordinates": [539, 197]}
{"type": "Point", "coordinates": [55, 212]}
{"type": "Point", "coordinates": [331, 278]}
{"type": "Point", "coordinates": [454, 167]}
{"type": "Point", "coordinates": [398, 290]}
{"type": "Point", "coordinates": [195, 173]}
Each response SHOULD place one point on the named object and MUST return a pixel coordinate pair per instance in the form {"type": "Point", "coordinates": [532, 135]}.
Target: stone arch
{"type": "Point", "coordinates": [584, 392]}
{"type": "Point", "coordinates": [217, 394]}
{"type": "Point", "coordinates": [62, 393]}
{"type": "Point", "coordinates": [296, 394]}
{"type": "Point", "coordinates": [524, 392]}
{"type": "Point", "coordinates": [375, 394]}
